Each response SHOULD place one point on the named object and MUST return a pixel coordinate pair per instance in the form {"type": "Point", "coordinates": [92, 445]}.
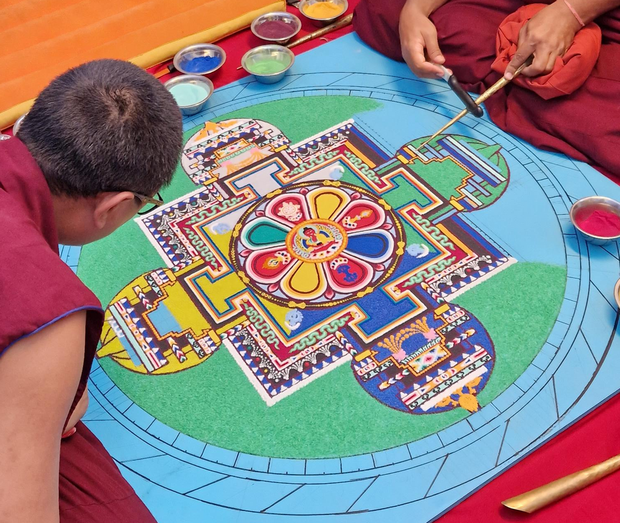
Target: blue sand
{"type": "Point", "coordinates": [371, 245]}
{"type": "Point", "coordinates": [201, 64]}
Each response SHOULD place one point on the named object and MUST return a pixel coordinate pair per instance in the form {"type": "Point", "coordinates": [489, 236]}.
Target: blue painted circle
{"type": "Point", "coordinates": [417, 457]}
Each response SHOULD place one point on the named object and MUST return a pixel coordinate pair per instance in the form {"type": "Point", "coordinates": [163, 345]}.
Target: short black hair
{"type": "Point", "coordinates": [106, 125]}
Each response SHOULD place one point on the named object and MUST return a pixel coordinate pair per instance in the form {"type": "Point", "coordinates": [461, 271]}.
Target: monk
{"type": "Point", "coordinates": [461, 35]}
{"type": "Point", "coordinates": [98, 144]}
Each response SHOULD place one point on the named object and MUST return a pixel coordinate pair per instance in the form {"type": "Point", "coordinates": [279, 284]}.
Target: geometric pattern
{"type": "Point", "coordinates": [573, 372]}
{"type": "Point", "coordinates": [347, 247]}
{"type": "Point", "coordinates": [332, 249]}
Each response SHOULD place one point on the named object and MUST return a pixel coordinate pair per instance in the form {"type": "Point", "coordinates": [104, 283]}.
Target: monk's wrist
{"type": "Point", "coordinates": [589, 10]}
{"type": "Point", "coordinates": [576, 17]}
{"type": "Point", "coordinates": [564, 15]}
{"type": "Point", "coordinates": [425, 7]}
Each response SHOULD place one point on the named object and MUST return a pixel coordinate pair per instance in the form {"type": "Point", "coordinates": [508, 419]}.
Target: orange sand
{"type": "Point", "coordinates": [323, 10]}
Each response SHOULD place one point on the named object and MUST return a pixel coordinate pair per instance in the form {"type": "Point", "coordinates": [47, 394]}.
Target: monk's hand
{"type": "Point", "coordinates": [77, 414]}
{"type": "Point", "coordinates": [547, 35]}
{"type": "Point", "coordinates": [419, 44]}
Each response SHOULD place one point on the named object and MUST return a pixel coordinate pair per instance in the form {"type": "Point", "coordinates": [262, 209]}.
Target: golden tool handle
{"type": "Point", "coordinates": [320, 32]}
{"type": "Point", "coordinates": [560, 488]}
{"type": "Point", "coordinates": [502, 82]}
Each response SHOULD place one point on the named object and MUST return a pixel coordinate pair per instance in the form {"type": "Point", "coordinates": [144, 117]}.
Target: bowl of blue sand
{"type": "Point", "coordinates": [199, 59]}
{"type": "Point", "coordinates": [190, 92]}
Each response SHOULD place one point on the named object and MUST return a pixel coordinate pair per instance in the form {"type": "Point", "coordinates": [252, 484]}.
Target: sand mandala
{"type": "Point", "coordinates": [333, 255]}
{"type": "Point", "coordinates": [328, 321]}
{"type": "Point", "coordinates": [316, 245]}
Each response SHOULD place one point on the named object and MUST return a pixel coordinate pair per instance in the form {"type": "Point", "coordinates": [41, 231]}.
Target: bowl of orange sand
{"type": "Point", "coordinates": [323, 12]}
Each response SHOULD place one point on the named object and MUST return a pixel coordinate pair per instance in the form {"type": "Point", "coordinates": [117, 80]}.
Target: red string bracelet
{"type": "Point", "coordinates": [575, 13]}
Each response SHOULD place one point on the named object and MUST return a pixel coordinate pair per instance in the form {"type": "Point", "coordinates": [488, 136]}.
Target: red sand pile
{"type": "Point", "coordinates": [600, 223]}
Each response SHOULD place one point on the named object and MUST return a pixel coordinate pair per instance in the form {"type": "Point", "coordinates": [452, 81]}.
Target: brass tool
{"type": "Point", "coordinates": [343, 22]}
{"type": "Point", "coordinates": [560, 488]}
{"type": "Point", "coordinates": [500, 84]}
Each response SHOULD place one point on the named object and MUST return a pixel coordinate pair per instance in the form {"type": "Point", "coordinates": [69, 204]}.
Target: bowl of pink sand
{"type": "Point", "coordinates": [597, 219]}
{"type": "Point", "coordinates": [278, 27]}
{"type": "Point", "coordinates": [617, 293]}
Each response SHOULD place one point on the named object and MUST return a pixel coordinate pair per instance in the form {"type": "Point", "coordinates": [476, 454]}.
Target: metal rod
{"type": "Point", "coordinates": [449, 124]}
{"type": "Point", "coordinates": [500, 84]}
{"type": "Point", "coordinates": [560, 488]}
{"type": "Point", "coordinates": [320, 32]}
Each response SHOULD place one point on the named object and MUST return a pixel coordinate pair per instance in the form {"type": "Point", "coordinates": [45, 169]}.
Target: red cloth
{"type": "Point", "coordinates": [569, 72]}
{"type": "Point", "coordinates": [590, 441]}
{"type": "Point", "coordinates": [584, 125]}
{"type": "Point", "coordinates": [37, 288]}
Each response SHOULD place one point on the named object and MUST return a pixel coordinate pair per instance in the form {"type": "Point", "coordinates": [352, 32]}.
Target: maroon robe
{"type": "Point", "coordinates": [36, 289]}
{"type": "Point", "coordinates": [584, 125]}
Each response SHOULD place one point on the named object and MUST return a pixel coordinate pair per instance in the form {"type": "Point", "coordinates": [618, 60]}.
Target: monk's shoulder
{"type": "Point", "coordinates": [36, 286]}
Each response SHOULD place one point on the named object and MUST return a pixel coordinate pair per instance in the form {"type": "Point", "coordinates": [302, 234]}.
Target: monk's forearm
{"type": "Point", "coordinates": [426, 6]}
{"type": "Point", "coordinates": [589, 10]}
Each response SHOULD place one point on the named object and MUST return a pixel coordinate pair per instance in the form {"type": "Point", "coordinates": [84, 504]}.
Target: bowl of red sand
{"type": "Point", "coordinates": [597, 218]}
{"type": "Point", "coordinates": [276, 27]}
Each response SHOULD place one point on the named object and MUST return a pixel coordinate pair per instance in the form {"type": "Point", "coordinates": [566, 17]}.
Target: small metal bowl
{"type": "Point", "coordinates": [289, 19]}
{"type": "Point", "coordinates": [187, 110]}
{"type": "Point", "coordinates": [590, 204]}
{"type": "Point", "coordinates": [272, 52]}
{"type": "Point", "coordinates": [18, 124]}
{"type": "Point", "coordinates": [185, 55]}
{"type": "Point", "coordinates": [323, 21]}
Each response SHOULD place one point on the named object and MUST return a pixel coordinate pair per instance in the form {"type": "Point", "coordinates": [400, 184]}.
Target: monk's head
{"type": "Point", "coordinates": [107, 136]}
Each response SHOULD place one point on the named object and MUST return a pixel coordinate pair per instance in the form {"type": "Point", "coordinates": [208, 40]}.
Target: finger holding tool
{"type": "Point", "coordinates": [463, 95]}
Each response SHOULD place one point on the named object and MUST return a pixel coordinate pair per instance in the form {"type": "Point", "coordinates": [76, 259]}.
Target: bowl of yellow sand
{"type": "Point", "coordinates": [323, 12]}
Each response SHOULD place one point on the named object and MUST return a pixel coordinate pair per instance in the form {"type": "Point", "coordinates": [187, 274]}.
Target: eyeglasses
{"type": "Point", "coordinates": [155, 202]}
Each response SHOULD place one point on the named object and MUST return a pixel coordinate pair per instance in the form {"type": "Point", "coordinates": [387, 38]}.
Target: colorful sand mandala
{"type": "Point", "coordinates": [221, 404]}
{"type": "Point", "coordinates": [317, 244]}
{"type": "Point", "coordinates": [300, 259]}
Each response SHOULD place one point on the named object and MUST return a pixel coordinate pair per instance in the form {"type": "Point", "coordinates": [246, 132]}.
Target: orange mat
{"type": "Point", "coordinates": [43, 38]}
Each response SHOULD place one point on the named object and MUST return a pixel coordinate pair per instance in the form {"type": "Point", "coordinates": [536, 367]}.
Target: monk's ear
{"type": "Point", "coordinates": [109, 206]}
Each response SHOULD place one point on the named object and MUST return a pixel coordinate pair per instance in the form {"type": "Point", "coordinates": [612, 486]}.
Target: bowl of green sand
{"type": "Point", "coordinates": [268, 63]}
